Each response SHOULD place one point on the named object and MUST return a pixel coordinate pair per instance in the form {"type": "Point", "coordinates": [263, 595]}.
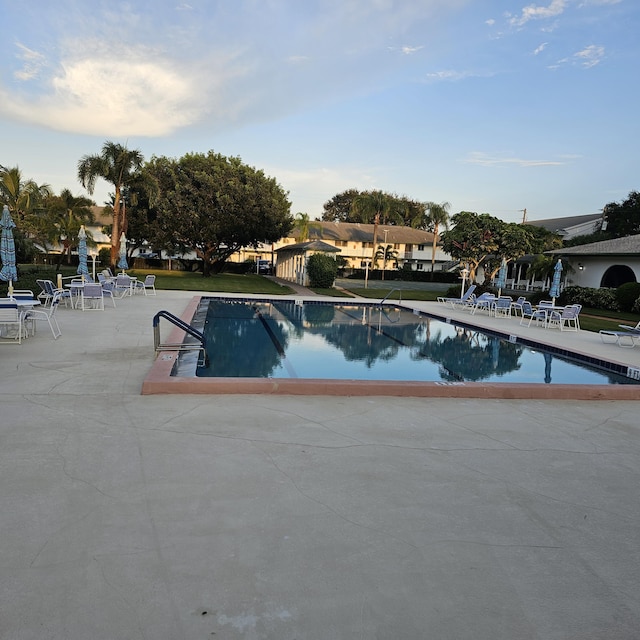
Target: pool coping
{"type": "Point", "coordinates": [160, 381]}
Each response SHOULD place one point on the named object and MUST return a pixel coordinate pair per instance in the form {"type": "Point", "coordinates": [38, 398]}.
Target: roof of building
{"type": "Point", "coordinates": [561, 225]}
{"type": "Point", "coordinates": [360, 232]}
{"type": "Point", "coordinates": [309, 245]}
{"type": "Point", "coordinates": [617, 246]}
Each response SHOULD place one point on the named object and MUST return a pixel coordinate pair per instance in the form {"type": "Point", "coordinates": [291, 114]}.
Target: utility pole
{"type": "Point", "coordinates": [524, 215]}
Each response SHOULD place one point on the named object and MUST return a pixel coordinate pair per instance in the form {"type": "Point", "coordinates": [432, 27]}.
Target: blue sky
{"type": "Point", "coordinates": [493, 106]}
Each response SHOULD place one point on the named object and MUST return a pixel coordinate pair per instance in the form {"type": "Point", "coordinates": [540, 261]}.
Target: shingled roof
{"type": "Point", "coordinates": [616, 247]}
{"type": "Point", "coordinates": [360, 232]}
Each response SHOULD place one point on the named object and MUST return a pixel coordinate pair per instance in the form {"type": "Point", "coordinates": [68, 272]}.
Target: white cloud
{"type": "Point", "coordinates": [590, 56]}
{"type": "Point", "coordinates": [540, 48]}
{"type": "Point", "coordinates": [138, 92]}
{"type": "Point", "coordinates": [534, 12]}
{"type": "Point", "coordinates": [409, 50]}
{"type": "Point", "coordinates": [486, 160]}
{"type": "Point", "coordinates": [490, 22]}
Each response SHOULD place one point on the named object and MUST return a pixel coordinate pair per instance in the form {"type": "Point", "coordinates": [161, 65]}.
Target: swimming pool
{"type": "Point", "coordinates": [290, 346]}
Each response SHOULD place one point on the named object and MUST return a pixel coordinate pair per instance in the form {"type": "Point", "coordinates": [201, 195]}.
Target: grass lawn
{"type": "Point", "coordinates": [404, 294]}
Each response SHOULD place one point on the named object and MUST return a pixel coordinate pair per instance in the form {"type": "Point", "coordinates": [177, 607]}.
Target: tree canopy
{"type": "Point", "coordinates": [214, 205]}
{"type": "Point", "coordinates": [482, 239]}
{"type": "Point", "coordinates": [393, 209]}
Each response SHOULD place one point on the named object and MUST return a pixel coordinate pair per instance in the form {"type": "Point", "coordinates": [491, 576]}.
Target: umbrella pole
{"type": "Point", "coordinates": [10, 289]}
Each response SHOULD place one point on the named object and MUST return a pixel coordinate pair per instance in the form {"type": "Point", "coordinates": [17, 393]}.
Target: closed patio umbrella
{"type": "Point", "coordinates": [501, 278]}
{"type": "Point", "coordinates": [83, 268]}
{"type": "Point", "coordinates": [554, 291]}
{"type": "Point", "coordinates": [9, 272]}
{"type": "Point", "coordinates": [122, 261]}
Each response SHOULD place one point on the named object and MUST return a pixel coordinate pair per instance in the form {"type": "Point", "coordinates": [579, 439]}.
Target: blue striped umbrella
{"type": "Point", "coordinates": [501, 278]}
{"type": "Point", "coordinates": [83, 268]}
{"type": "Point", "coordinates": [9, 272]}
{"type": "Point", "coordinates": [554, 292]}
{"type": "Point", "coordinates": [122, 262]}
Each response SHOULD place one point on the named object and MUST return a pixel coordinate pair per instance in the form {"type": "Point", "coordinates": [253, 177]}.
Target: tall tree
{"type": "Point", "coordinates": [623, 219]}
{"type": "Point", "coordinates": [374, 207]}
{"type": "Point", "coordinates": [119, 166]}
{"type": "Point", "coordinates": [214, 206]}
{"type": "Point", "coordinates": [437, 216]}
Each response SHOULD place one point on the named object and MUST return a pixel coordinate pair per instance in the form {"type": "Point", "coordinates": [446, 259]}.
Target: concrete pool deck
{"type": "Point", "coordinates": [261, 516]}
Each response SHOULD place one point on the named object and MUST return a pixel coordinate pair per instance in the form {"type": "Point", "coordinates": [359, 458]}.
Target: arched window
{"type": "Point", "coordinates": [616, 275]}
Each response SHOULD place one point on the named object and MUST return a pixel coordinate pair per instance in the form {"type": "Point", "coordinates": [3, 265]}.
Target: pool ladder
{"type": "Point", "coordinates": [389, 294]}
{"type": "Point", "coordinates": [158, 345]}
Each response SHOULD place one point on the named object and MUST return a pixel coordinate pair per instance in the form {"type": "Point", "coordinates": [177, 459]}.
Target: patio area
{"type": "Point", "coordinates": [282, 517]}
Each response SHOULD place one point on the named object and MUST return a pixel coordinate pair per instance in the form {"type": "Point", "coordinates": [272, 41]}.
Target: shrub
{"type": "Point", "coordinates": [322, 270]}
{"type": "Point", "coordinates": [594, 298]}
{"type": "Point", "coordinates": [627, 295]}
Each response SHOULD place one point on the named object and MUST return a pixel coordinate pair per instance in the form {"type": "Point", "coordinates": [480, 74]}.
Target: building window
{"type": "Point", "coordinates": [408, 247]}
{"type": "Point", "coordinates": [420, 266]}
{"type": "Point", "coordinates": [420, 247]}
{"type": "Point", "coordinates": [341, 243]}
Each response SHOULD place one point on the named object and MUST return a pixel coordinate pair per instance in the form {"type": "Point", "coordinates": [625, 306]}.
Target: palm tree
{"type": "Point", "coordinates": [386, 254]}
{"type": "Point", "coordinates": [303, 225]}
{"type": "Point", "coordinates": [22, 196]}
{"type": "Point", "coordinates": [374, 206]}
{"type": "Point", "coordinates": [119, 166]}
{"type": "Point", "coordinates": [69, 213]}
{"type": "Point", "coordinates": [438, 216]}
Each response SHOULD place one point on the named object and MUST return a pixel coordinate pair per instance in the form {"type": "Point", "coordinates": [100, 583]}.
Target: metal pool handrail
{"type": "Point", "coordinates": [187, 328]}
{"type": "Point", "coordinates": [388, 294]}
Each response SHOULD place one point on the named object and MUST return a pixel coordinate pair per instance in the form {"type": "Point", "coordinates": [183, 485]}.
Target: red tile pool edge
{"type": "Point", "coordinates": [160, 381]}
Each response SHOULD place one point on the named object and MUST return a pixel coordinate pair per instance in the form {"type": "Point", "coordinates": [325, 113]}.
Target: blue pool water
{"type": "Point", "coordinates": [285, 339]}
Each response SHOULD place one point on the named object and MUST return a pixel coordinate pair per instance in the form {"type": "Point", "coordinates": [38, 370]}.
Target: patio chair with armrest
{"type": "Point", "coordinates": [484, 302]}
{"type": "Point", "coordinates": [108, 290]}
{"type": "Point", "coordinates": [502, 306]}
{"type": "Point", "coordinates": [567, 319]}
{"type": "Point", "coordinates": [11, 318]}
{"type": "Point", "coordinates": [123, 286]}
{"type": "Point", "coordinates": [531, 314]}
{"type": "Point", "coordinates": [92, 297]}
{"type": "Point", "coordinates": [43, 296]}
{"type": "Point", "coordinates": [148, 284]}
{"type": "Point", "coordinates": [517, 305]}
{"type": "Point", "coordinates": [33, 315]}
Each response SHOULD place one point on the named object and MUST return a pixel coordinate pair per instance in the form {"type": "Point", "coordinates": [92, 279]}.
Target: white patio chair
{"type": "Point", "coordinates": [92, 297]}
{"type": "Point", "coordinates": [567, 319]}
{"type": "Point", "coordinates": [43, 296]}
{"type": "Point", "coordinates": [33, 315]}
{"type": "Point", "coordinates": [484, 302]}
{"type": "Point", "coordinates": [123, 286]}
{"type": "Point", "coordinates": [108, 290]}
{"type": "Point", "coordinates": [148, 284]}
{"type": "Point", "coordinates": [517, 305]}
{"type": "Point", "coordinates": [502, 306]}
{"type": "Point", "coordinates": [11, 321]}
{"type": "Point", "coordinates": [531, 314]}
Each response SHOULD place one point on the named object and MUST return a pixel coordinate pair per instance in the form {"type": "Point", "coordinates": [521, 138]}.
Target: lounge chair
{"type": "Point", "coordinates": [462, 301]}
{"type": "Point", "coordinates": [49, 316]}
{"type": "Point", "coordinates": [627, 339]}
{"type": "Point", "coordinates": [627, 327]}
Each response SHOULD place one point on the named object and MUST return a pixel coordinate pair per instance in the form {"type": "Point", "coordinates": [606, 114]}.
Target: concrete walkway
{"type": "Point", "coordinates": [270, 517]}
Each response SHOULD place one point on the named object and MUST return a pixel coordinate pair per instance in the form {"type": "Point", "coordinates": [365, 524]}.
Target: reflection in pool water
{"type": "Point", "coordinates": [283, 339]}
